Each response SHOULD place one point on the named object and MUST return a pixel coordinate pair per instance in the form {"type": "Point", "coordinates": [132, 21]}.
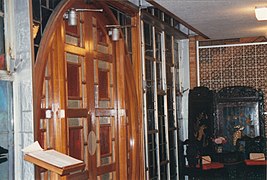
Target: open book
{"type": "Point", "coordinates": [55, 161]}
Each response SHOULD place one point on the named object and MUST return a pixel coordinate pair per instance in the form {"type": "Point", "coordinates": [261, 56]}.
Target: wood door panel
{"type": "Point", "coordinates": [81, 91]}
{"type": "Point", "coordinates": [103, 84]}
{"type": "Point", "coordinates": [104, 88]}
{"type": "Point", "coordinates": [73, 80]}
{"type": "Point", "coordinates": [105, 140]}
{"type": "Point", "coordinates": [104, 104]}
{"type": "Point", "coordinates": [75, 142]}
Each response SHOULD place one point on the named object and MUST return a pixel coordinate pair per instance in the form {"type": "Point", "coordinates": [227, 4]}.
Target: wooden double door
{"type": "Point", "coordinates": [80, 87]}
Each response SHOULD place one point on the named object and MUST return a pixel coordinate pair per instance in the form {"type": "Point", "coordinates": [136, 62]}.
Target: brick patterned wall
{"type": "Point", "coordinates": [192, 62]}
{"type": "Point", "coordinates": [231, 65]}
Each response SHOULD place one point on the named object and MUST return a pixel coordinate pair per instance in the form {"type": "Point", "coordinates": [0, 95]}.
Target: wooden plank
{"type": "Point", "coordinates": [58, 135]}
{"type": "Point", "coordinates": [102, 56]}
{"type": "Point", "coordinates": [125, 6]}
{"type": "Point", "coordinates": [50, 166]}
{"type": "Point", "coordinates": [133, 79]}
{"type": "Point", "coordinates": [75, 50]}
{"type": "Point", "coordinates": [78, 176]}
{"type": "Point", "coordinates": [122, 129]}
{"type": "Point", "coordinates": [106, 169]}
{"type": "Point", "coordinates": [89, 72]}
{"type": "Point", "coordinates": [105, 112]}
{"type": "Point", "coordinates": [43, 164]}
{"type": "Point", "coordinates": [77, 113]}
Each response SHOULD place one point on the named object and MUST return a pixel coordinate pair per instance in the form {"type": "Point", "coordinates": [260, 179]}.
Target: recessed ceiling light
{"type": "Point", "coordinates": [261, 13]}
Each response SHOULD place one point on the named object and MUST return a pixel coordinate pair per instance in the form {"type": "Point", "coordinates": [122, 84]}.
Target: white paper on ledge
{"type": "Point", "coordinates": [50, 156]}
{"type": "Point", "coordinates": [33, 147]}
{"type": "Point", "coordinates": [55, 158]}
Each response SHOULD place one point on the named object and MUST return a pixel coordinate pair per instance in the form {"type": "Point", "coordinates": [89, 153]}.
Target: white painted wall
{"type": "Point", "coordinates": [185, 85]}
{"type": "Point", "coordinates": [22, 88]}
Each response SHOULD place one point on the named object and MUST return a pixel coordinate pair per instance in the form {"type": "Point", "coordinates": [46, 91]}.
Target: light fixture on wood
{"type": "Point", "coordinates": [114, 31]}
{"type": "Point", "coordinates": [71, 15]}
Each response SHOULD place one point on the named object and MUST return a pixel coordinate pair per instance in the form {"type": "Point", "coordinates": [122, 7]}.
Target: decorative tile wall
{"type": "Point", "coordinates": [233, 65]}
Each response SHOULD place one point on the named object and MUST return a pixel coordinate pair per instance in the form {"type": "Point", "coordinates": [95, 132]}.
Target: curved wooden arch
{"type": "Point", "coordinates": [131, 90]}
{"type": "Point", "coordinates": [41, 59]}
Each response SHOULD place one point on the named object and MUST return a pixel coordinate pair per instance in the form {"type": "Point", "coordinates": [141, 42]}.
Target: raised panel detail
{"type": "Point", "coordinates": [103, 84]}
{"type": "Point", "coordinates": [105, 140]}
{"type": "Point", "coordinates": [73, 80]}
{"type": "Point", "coordinates": [75, 142]}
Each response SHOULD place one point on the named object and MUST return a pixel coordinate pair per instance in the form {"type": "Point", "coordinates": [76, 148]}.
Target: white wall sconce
{"type": "Point", "coordinates": [71, 15]}
{"type": "Point", "coordinates": [115, 34]}
{"type": "Point", "coordinates": [114, 31]}
{"type": "Point", "coordinates": [261, 13]}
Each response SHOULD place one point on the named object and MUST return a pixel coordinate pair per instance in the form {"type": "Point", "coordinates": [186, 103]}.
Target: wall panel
{"type": "Point", "coordinates": [234, 65]}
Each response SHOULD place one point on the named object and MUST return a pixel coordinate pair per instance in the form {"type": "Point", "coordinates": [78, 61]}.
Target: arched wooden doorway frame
{"type": "Point", "coordinates": [130, 95]}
